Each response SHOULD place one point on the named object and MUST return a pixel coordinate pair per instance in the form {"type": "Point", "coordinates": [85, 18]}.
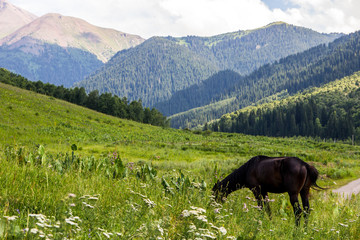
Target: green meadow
{"type": "Point", "coordinates": [67, 172]}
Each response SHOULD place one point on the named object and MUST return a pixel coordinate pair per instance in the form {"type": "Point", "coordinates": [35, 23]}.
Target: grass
{"type": "Point", "coordinates": [126, 180]}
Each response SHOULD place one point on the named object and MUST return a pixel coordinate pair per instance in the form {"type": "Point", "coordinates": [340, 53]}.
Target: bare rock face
{"type": "Point", "coordinates": [73, 32]}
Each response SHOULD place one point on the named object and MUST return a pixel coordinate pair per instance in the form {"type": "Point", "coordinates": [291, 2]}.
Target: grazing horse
{"type": "Point", "coordinates": [262, 174]}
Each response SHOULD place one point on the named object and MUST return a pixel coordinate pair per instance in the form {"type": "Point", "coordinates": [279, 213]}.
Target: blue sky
{"type": "Point", "coordinates": [281, 4]}
{"type": "Point", "coordinates": [203, 17]}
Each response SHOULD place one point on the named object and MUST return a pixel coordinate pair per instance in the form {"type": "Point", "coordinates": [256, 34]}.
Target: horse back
{"type": "Point", "coordinates": [277, 175]}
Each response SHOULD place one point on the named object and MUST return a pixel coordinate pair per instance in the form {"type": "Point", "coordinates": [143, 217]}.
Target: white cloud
{"type": "Point", "coordinates": [201, 17]}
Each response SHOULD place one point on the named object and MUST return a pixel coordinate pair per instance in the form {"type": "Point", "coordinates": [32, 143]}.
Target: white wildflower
{"type": "Point", "coordinates": [192, 228]}
{"type": "Point", "coordinates": [161, 230]}
{"type": "Point", "coordinates": [217, 210]}
{"type": "Point", "coordinates": [34, 230]}
{"type": "Point", "coordinates": [12, 218]}
{"type": "Point", "coordinates": [71, 195]}
{"type": "Point", "coordinates": [208, 236]}
{"type": "Point", "coordinates": [202, 218]}
{"type": "Point", "coordinates": [222, 230]}
{"type": "Point", "coordinates": [344, 225]}
{"type": "Point", "coordinates": [72, 204]}
{"type": "Point", "coordinates": [106, 235]}
{"type": "Point", "coordinates": [119, 234]}
{"type": "Point", "coordinates": [185, 213]}
{"type": "Point", "coordinates": [231, 238]}
{"type": "Point", "coordinates": [68, 221]}
{"type": "Point", "coordinates": [193, 212]}
{"type": "Point", "coordinates": [87, 205]}
{"type": "Point", "coordinates": [93, 198]}
{"type": "Point", "coordinates": [40, 224]}
{"type": "Point", "coordinates": [150, 203]}
{"type": "Point", "coordinates": [245, 208]}
{"type": "Point", "coordinates": [200, 210]}
{"type": "Point", "coordinates": [75, 218]}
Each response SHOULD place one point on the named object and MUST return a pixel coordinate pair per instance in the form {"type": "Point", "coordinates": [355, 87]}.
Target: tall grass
{"type": "Point", "coordinates": [149, 202]}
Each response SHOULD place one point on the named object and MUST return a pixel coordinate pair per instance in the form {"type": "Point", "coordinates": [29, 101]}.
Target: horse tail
{"type": "Point", "coordinates": [313, 175]}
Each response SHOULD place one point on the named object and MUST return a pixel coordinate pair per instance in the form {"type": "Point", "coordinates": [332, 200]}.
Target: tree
{"type": "Point", "coordinates": [92, 100]}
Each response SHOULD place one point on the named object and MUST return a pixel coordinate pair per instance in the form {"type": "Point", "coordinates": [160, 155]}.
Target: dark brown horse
{"type": "Point", "coordinates": [263, 174]}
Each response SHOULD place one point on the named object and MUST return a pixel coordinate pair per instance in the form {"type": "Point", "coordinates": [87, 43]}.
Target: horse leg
{"type": "Point", "coordinates": [296, 206]}
{"type": "Point", "coordinates": [256, 192]}
{"type": "Point", "coordinates": [266, 203]}
{"type": "Point", "coordinates": [304, 193]}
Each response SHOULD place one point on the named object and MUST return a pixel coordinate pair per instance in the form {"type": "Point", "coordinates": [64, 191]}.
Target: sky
{"type": "Point", "coordinates": [178, 18]}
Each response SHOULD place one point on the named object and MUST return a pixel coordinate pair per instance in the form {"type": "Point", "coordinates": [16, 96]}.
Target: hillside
{"type": "Point", "coordinates": [104, 103]}
{"type": "Point", "coordinates": [314, 67]}
{"type": "Point", "coordinates": [69, 171]}
{"type": "Point", "coordinates": [12, 18]}
{"type": "Point", "coordinates": [331, 111]}
{"type": "Point", "coordinates": [152, 71]}
{"type": "Point", "coordinates": [156, 69]}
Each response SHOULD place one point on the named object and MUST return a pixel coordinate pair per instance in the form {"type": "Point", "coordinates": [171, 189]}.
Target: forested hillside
{"type": "Point", "coordinates": [332, 111]}
{"type": "Point", "coordinates": [48, 62]}
{"type": "Point", "coordinates": [245, 51]}
{"type": "Point", "coordinates": [197, 94]}
{"type": "Point", "coordinates": [151, 71]}
{"type": "Point", "coordinates": [156, 69]}
{"type": "Point", "coordinates": [104, 103]}
{"type": "Point", "coordinates": [314, 67]}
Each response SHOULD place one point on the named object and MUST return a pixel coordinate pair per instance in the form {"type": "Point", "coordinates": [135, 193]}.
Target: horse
{"type": "Point", "coordinates": [262, 174]}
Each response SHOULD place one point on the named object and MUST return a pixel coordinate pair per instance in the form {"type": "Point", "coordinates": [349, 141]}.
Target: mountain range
{"type": "Point", "coordinates": [192, 79]}
{"type": "Point", "coordinates": [55, 48]}
{"type": "Point", "coordinates": [161, 66]}
{"type": "Point", "coordinates": [311, 68]}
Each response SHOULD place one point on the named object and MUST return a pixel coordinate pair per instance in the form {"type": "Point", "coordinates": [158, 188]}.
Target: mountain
{"type": "Point", "coordinates": [61, 50]}
{"type": "Point", "coordinates": [12, 18]}
{"type": "Point", "coordinates": [312, 68]}
{"type": "Point", "coordinates": [48, 63]}
{"type": "Point", "coordinates": [161, 66]}
{"type": "Point", "coordinates": [75, 33]}
{"type": "Point", "coordinates": [151, 71]}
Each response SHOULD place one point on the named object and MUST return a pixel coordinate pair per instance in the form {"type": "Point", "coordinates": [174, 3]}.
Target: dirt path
{"type": "Point", "coordinates": [349, 189]}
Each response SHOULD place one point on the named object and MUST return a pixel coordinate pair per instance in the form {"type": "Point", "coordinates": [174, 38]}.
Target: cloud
{"type": "Point", "coordinates": [328, 15]}
{"type": "Point", "coordinates": [202, 17]}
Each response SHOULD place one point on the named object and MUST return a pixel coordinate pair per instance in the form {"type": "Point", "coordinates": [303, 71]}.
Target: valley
{"type": "Point", "coordinates": [108, 135]}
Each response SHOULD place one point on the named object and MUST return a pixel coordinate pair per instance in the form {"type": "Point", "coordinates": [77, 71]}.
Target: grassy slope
{"type": "Point", "coordinates": [27, 119]}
